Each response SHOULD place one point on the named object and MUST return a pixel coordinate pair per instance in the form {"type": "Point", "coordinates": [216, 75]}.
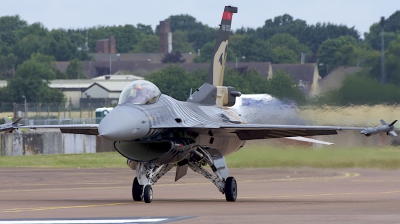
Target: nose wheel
{"type": "Point", "coordinates": [148, 194]}
{"type": "Point", "coordinates": [230, 189]}
{"type": "Point", "coordinates": [137, 190]}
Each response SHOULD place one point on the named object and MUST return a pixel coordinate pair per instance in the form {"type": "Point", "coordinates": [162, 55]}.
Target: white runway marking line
{"type": "Point", "coordinates": [111, 221]}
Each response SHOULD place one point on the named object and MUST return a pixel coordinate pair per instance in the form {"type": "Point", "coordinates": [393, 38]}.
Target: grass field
{"type": "Point", "coordinates": [350, 116]}
{"type": "Point", "coordinates": [253, 155]}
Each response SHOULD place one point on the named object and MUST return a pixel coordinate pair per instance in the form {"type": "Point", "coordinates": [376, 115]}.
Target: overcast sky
{"type": "Point", "coordinates": [251, 13]}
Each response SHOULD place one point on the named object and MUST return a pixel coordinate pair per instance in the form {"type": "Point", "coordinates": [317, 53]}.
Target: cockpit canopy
{"type": "Point", "coordinates": [139, 92]}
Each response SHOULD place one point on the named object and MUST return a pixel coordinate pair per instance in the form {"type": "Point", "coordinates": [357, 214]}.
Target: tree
{"type": "Point", "coordinates": [281, 55]}
{"type": "Point", "coordinates": [392, 62]}
{"type": "Point", "coordinates": [31, 80]}
{"type": "Point", "coordinates": [283, 86]}
{"type": "Point", "coordinates": [36, 29]}
{"type": "Point", "coordinates": [245, 80]}
{"type": "Point", "coordinates": [8, 27]}
{"type": "Point", "coordinates": [206, 53]}
{"type": "Point", "coordinates": [75, 70]}
{"type": "Point", "coordinates": [6, 65]}
{"type": "Point", "coordinates": [198, 34]}
{"type": "Point", "coordinates": [327, 50]}
{"type": "Point", "coordinates": [180, 42]}
{"type": "Point", "coordinates": [287, 49]}
{"type": "Point", "coordinates": [126, 36]}
{"type": "Point", "coordinates": [254, 49]}
{"type": "Point", "coordinates": [184, 23]}
{"type": "Point", "coordinates": [361, 89]}
{"type": "Point", "coordinates": [145, 29]}
{"type": "Point", "coordinates": [315, 35]}
{"type": "Point", "coordinates": [392, 29]}
{"type": "Point", "coordinates": [29, 45]}
{"type": "Point", "coordinates": [173, 58]}
{"type": "Point", "coordinates": [148, 44]}
{"type": "Point", "coordinates": [175, 81]}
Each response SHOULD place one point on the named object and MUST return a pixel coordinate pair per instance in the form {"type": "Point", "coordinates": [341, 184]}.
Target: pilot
{"type": "Point", "coordinates": [140, 96]}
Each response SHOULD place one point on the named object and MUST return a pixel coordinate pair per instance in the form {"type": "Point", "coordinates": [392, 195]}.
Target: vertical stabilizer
{"type": "Point", "coordinates": [216, 72]}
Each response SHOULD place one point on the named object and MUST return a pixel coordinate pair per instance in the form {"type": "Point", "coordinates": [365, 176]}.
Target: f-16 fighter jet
{"type": "Point", "coordinates": [155, 132]}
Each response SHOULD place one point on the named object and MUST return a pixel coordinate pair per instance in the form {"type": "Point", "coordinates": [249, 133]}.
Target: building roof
{"type": "Point", "coordinates": [113, 86]}
{"type": "Point", "coordinates": [334, 79]}
{"type": "Point", "coordinates": [118, 77]}
{"type": "Point", "coordinates": [150, 57]}
{"type": "Point", "coordinates": [142, 68]}
{"type": "Point", "coordinates": [260, 67]}
{"type": "Point", "coordinates": [83, 84]}
{"type": "Point", "coordinates": [303, 72]}
{"type": "Point", "coordinates": [71, 83]}
{"type": "Point", "coordinates": [62, 65]}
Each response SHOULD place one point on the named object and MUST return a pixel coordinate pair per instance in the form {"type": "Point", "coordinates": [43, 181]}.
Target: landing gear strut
{"type": "Point", "coordinates": [213, 158]}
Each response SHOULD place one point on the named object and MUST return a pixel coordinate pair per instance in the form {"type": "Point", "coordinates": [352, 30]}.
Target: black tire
{"type": "Point", "coordinates": [230, 189]}
{"type": "Point", "coordinates": [148, 194]}
{"type": "Point", "coordinates": [137, 190]}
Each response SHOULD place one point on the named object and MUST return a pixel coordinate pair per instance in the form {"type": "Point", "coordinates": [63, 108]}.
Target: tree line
{"type": "Point", "coordinates": [178, 83]}
{"type": "Point", "coordinates": [282, 39]}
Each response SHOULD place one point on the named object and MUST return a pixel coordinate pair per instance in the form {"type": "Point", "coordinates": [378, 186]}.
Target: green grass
{"type": "Point", "coordinates": [252, 155]}
{"type": "Point", "coordinates": [327, 157]}
{"type": "Point", "coordinates": [89, 160]}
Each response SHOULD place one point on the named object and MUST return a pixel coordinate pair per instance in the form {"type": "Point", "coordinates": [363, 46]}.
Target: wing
{"type": "Point", "coordinates": [87, 129]}
{"type": "Point", "coordinates": [254, 131]}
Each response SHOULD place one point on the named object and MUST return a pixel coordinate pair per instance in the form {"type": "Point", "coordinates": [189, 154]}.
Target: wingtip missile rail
{"type": "Point", "coordinates": [388, 128]}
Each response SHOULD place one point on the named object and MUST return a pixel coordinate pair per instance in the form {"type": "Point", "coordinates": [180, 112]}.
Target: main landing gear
{"type": "Point", "coordinates": [230, 189]}
{"type": "Point", "coordinates": [212, 157]}
{"type": "Point", "coordinates": [147, 174]}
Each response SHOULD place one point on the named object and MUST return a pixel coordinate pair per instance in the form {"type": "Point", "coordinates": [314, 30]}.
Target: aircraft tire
{"type": "Point", "coordinates": [137, 190]}
{"type": "Point", "coordinates": [230, 189]}
{"type": "Point", "coordinates": [148, 194]}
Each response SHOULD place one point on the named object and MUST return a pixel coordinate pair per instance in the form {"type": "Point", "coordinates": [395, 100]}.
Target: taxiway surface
{"type": "Point", "coordinates": [265, 196]}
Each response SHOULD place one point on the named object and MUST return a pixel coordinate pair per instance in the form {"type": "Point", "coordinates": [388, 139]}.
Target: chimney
{"type": "Point", "coordinates": [164, 30]}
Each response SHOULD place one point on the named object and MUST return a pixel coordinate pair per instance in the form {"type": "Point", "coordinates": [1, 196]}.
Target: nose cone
{"type": "Point", "coordinates": [124, 123]}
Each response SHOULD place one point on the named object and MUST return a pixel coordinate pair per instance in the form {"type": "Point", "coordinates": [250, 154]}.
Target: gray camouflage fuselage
{"type": "Point", "coordinates": [160, 129]}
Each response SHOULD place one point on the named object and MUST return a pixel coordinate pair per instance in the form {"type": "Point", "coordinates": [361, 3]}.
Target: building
{"type": "Point", "coordinates": [101, 91]}
{"type": "Point", "coordinates": [165, 37]}
{"type": "Point", "coordinates": [106, 46]}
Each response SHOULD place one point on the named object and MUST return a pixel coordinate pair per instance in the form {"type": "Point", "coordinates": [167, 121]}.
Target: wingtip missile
{"type": "Point", "coordinates": [388, 128]}
{"type": "Point", "coordinates": [10, 126]}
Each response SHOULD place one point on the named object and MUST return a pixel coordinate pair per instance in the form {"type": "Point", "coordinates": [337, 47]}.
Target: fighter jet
{"type": "Point", "coordinates": [155, 132]}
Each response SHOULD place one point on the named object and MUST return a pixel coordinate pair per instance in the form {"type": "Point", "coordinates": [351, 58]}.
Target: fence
{"type": "Point", "coordinates": [52, 143]}
{"type": "Point", "coordinates": [50, 113]}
